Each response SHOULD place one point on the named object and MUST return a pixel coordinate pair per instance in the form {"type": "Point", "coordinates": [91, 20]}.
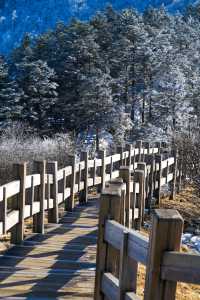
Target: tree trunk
{"type": "Point", "coordinates": [97, 139]}
{"type": "Point", "coordinates": [143, 109]}
{"type": "Point", "coordinates": [150, 109]}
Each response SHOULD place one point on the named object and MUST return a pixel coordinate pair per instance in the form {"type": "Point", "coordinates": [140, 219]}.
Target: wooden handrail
{"type": "Point", "coordinates": [165, 264]}
{"type": "Point", "coordinates": [86, 173]}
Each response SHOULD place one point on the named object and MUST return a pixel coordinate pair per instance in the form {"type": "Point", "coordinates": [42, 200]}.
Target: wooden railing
{"type": "Point", "coordinates": [49, 187]}
{"type": "Point", "coordinates": [120, 249]}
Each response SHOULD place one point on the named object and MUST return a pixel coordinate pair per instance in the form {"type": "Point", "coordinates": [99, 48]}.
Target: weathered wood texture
{"type": "Point", "coordinates": [160, 254]}
{"type": "Point", "coordinates": [62, 255]}
{"type": "Point", "coordinates": [32, 195]}
{"type": "Point", "coordinates": [59, 264]}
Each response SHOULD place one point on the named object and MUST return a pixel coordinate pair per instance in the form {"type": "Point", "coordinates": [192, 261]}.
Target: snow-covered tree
{"type": "Point", "coordinates": [10, 96]}
{"type": "Point", "coordinates": [40, 95]}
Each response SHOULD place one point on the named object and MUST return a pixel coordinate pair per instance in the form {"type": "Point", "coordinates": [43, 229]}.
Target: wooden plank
{"type": "Point", "coordinates": [12, 219]}
{"type": "Point", "coordinates": [94, 172]}
{"type": "Point", "coordinates": [12, 188]}
{"type": "Point", "coordinates": [29, 180]}
{"type": "Point", "coordinates": [116, 158]}
{"type": "Point", "coordinates": [71, 200]}
{"type": "Point", "coordinates": [38, 222]}
{"type": "Point", "coordinates": [170, 177]}
{"type": "Point", "coordinates": [115, 174]}
{"type": "Point", "coordinates": [132, 296]}
{"type": "Point", "coordinates": [108, 160]}
{"type": "Point", "coordinates": [97, 180]}
{"type": "Point", "coordinates": [164, 164]}
{"type": "Point", "coordinates": [102, 155]}
{"type": "Point", "coordinates": [184, 267]}
{"type": "Point", "coordinates": [174, 178]}
{"type": "Point", "coordinates": [171, 161]}
{"type": "Point", "coordinates": [49, 177]}
{"type": "Point", "coordinates": [162, 181]}
{"type": "Point", "coordinates": [90, 163]}
{"type": "Point", "coordinates": [60, 174]}
{"type": "Point", "coordinates": [79, 172]}
{"type": "Point", "coordinates": [60, 262]}
{"type": "Point", "coordinates": [4, 210]}
{"type": "Point", "coordinates": [137, 243]}
{"type": "Point", "coordinates": [68, 172]}
{"type": "Point", "coordinates": [159, 176]}
{"type": "Point", "coordinates": [52, 168]}
{"type": "Point", "coordinates": [84, 193]}
{"type": "Point", "coordinates": [110, 286]}
{"type": "Point", "coordinates": [128, 269]}
{"type": "Point", "coordinates": [32, 194]}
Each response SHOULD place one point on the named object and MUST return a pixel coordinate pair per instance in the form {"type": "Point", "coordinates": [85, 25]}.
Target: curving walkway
{"type": "Point", "coordinates": [57, 265]}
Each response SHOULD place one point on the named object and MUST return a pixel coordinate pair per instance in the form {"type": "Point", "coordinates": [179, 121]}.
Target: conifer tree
{"type": "Point", "coordinates": [39, 86]}
{"type": "Point", "coordinates": [10, 96]}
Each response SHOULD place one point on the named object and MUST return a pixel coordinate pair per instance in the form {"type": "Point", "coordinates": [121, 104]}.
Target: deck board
{"type": "Point", "coordinates": [57, 265]}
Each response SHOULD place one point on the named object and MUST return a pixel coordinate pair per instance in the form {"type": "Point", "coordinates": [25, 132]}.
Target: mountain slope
{"type": "Point", "coordinates": [20, 16]}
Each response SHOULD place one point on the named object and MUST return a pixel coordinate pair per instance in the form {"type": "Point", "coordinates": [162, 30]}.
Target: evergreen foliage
{"type": "Point", "coordinates": [10, 95]}
{"type": "Point", "coordinates": [118, 71]}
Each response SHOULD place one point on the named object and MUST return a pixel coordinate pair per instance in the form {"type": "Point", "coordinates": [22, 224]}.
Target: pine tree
{"type": "Point", "coordinates": [39, 86]}
{"type": "Point", "coordinates": [10, 96]}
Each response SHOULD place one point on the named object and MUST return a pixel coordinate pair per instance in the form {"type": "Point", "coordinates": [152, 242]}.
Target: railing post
{"type": "Point", "coordinates": [120, 151]}
{"type": "Point", "coordinates": [102, 156]}
{"type": "Point", "coordinates": [138, 198]}
{"type": "Point", "coordinates": [32, 195]}
{"type": "Point", "coordinates": [118, 183]}
{"type": "Point", "coordinates": [110, 204]}
{"type": "Point", "coordinates": [139, 146]}
{"type": "Point", "coordinates": [173, 187]}
{"type": "Point", "coordinates": [159, 175]}
{"type": "Point", "coordinates": [146, 149]}
{"type": "Point", "coordinates": [17, 232]}
{"type": "Point", "coordinates": [167, 170]}
{"type": "Point", "coordinates": [165, 236]}
{"type": "Point", "coordinates": [71, 201]}
{"type": "Point", "coordinates": [158, 145]}
{"type": "Point", "coordinates": [52, 168]}
{"type": "Point", "coordinates": [38, 219]}
{"type": "Point", "coordinates": [111, 166]}
{"type": "Point", "coordinates": [94, 171]}
{"type": "Point", "coordinates": [142, 167]}
{"type": "Point", "coordinates": [125, 174]}
{"type": "Point", "coordinates": [4, 206]}
{"type": "Point", "coordinates": [180, 168]}
{"type": "Point", "coordinates": [129, 149]}
{"type": "Point", "coordinates": [84, 193]}
{"type": "Point", "coordinates": [151, 180]}
{"type": "Point", "coordinates": [64, 185]}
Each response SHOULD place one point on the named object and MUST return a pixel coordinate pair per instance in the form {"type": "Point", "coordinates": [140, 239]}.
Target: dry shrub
{"type": "Point", "coordinates": [19, 143]}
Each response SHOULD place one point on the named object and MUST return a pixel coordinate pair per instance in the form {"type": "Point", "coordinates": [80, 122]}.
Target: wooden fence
{"type": "Point", "coordinates": [49, 187]}
{"type": "Point", "coordinates": [120, 249]}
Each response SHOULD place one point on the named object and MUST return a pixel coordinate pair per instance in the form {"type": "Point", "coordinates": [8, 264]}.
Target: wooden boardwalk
{"type": "Point", "coordinates": [57, 265]}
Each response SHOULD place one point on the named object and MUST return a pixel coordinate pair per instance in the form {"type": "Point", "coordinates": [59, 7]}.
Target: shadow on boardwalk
{"type": "Point", "coordinates": [60, 263]}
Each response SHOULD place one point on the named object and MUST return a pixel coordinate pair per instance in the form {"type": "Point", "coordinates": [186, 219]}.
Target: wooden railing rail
{"type": "Point", "coordinates": [120, 249]}
{"type": "Point", "coordinates": [49, 187]}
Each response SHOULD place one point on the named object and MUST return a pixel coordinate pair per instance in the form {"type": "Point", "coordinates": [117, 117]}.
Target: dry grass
{"type": "Point", "coordinates": [184, 291]}
{"type": "Point", "coordinates": [187, 203]}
